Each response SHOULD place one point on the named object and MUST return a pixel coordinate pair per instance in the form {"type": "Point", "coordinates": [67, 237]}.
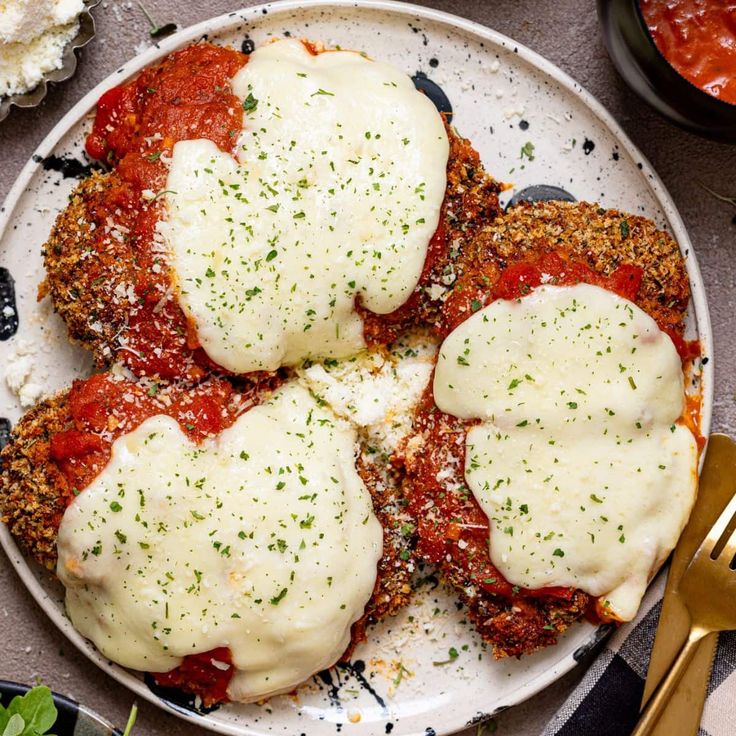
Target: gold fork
{"type": "Point", "coordinates": [708, 589]}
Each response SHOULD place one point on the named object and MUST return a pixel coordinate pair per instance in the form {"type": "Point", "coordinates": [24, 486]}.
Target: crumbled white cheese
{"type": "Point", "coordinates": [20, 374]}
{"type": "Point", "coordinates": [17, 371]}
{"type": "Point", "coordinates": [23, 20]}
{"type": "Point", "coordinates": [516, 109]}
{"type": "Point", "coordinates": [33, 36]}
{"type": "Point", "coordinates": [435, 291]}
{"type": "Point", "coordinates": [30, 393]}
{"type": "Point", "coordinates": [376, 390]}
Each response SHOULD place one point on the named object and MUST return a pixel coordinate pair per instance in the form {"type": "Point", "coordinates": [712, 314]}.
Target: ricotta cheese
{"type": "Point", "coordinates": [33, 36]}
{"type": "Point", "coordinates": [332, 198]}
{"type": "Point", "coordinates": [579, 461]}
{"type": "Point", "coordinates": [376, 390]}
{"type": "Point", "coordinates": [241, 542]}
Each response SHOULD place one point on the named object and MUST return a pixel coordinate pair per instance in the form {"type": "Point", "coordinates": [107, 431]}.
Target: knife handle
{"type": "Point", "coordinates": [666, 688]}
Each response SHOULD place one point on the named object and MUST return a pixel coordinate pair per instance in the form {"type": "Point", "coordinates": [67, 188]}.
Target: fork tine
{"type": "Point", "coordinates": [718, 529]}
{"type": "Point", "coordinates": [729, 551]}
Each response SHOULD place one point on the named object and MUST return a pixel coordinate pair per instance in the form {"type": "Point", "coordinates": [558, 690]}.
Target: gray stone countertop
{"type": "Point", "coordinates": [565, 32]}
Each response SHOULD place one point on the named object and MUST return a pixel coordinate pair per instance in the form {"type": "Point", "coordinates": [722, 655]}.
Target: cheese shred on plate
{"type": "Point", "coordinates": [579, 461]}
{"type": "Point", "coordinates": [333, 195]}
{"type": "Point", "coordinates": [240, 542]}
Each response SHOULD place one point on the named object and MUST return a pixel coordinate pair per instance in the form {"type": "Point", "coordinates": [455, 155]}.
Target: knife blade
{"type": "Point", "coordinates": [716, 488]}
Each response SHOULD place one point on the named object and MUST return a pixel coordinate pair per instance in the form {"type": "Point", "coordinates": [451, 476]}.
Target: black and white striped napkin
{"type": "Point", "coordinates": [606, 702]}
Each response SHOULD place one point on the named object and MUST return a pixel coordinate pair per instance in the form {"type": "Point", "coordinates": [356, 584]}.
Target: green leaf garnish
{"type": "Point", "coordinates": [250, 103]}
{"type": "Point", "coordinates": [156, 30]}
{"type": "Point", "coordinates": [31, 714]}
{"type": "Point", "coordinates": [527, 150]}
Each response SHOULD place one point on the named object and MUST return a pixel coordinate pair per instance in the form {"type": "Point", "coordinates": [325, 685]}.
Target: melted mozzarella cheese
{"type": "Point", "coordinates": [240, 542]}
{"type": "Point", "coordinates": [334, 196]}
{"type": "Point", "coordinates": [579, 463]}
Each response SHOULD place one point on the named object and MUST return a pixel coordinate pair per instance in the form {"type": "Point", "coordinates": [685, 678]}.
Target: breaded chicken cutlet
{"type": "Point", "coordinates": [60, 446]}
{"type": "Point", "coordinates": [552, 243]}
{"type": "Point", "coordinates": [115, 291]}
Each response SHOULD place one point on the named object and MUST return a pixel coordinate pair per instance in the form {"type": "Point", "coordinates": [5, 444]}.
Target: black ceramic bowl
{"type": "Point", "coordinates": [651, 76]}
{"type": "Point", "coordinates": [73, 719]}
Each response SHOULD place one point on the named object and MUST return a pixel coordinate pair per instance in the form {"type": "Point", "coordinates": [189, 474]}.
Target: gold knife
{"type": "Point", "coordinates": [717, 486]}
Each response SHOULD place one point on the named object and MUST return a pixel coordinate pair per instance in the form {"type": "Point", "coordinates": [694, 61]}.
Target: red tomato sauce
{"type": "Point", "coordinates": [207, 674]}
{"type": "Point", "coordinates": [558, 269]}
{"type": "Point", "coordinates": [519, 278]}
{"type": "Point", "coordinates": [698, 38]}
{"type": "Point", "coordinates": [187, 96]}
{"type": "Point", "coordinates": [549, 267]}
{"type": "Point", "coordinates": [101, 409]}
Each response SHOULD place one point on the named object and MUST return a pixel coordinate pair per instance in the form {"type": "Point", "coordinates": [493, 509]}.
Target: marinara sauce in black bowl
{"type": "Point", "coordinates": [697, 37]}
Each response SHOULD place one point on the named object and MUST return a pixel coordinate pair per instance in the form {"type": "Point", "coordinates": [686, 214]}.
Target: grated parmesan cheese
{"type": "Point", "coordinates": [20, 375]}
{"type": "Point", "coordinates": [33, 36]}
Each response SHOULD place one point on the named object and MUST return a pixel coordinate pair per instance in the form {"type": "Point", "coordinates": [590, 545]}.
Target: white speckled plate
{"type": "Point", "coordinates": [503, 96]}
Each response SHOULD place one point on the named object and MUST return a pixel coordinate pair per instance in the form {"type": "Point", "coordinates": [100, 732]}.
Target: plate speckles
{"type": "Point", "coordinates": [5, 428]}
{"type": "Point", "coordinates": [68, 166]}
{"type": "Point", "coordinates": [601, 635]}
{"type": "Point", "coordinates": [435, 93]}
{"type": "Point", "coordinates": [8, 307]}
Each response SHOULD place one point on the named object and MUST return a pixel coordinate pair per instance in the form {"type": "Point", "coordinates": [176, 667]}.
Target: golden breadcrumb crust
{"type": "Point", "coordinates": [83, 296]}
{"type": "Point", "coordinates": [33, 491]}
{"type": "Point", "coordinates": [602, 239]}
